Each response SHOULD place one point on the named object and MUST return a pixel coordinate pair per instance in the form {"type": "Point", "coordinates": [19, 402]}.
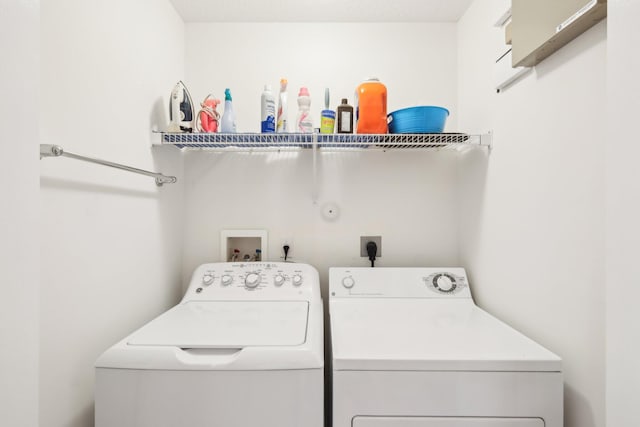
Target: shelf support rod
{"type": "Point", "coordinates": [50, 150]}
{"type": "Point", "coordinates": [314, 190]}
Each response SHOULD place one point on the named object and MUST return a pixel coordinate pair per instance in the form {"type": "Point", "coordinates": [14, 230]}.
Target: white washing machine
{"type": "Point", "coordinates": [243, 348]}
{"type": "Point", "coordinates": [411, 349]}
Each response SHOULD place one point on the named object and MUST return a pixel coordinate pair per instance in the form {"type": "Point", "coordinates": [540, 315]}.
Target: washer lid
{"type": "Point", "coordinates": [429, 335]}
{"type": "Point", "coordinates": [227, 324]}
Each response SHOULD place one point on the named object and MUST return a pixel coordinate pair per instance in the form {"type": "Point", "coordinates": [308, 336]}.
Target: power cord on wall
{"type": "Point", "coordinates": [372, 249]}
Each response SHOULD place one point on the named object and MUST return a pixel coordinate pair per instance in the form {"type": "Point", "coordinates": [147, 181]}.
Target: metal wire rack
{"type": "Point", "coordinates": [333, 142]}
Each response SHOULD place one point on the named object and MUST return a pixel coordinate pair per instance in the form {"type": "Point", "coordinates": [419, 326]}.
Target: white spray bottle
{"type": "Point", "coordinates": [228, 122]}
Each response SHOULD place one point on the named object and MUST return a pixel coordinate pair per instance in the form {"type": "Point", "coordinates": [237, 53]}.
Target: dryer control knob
{"type": "Point", "coordinates": [348, 282]}
{"type": "Point", "coordinates": [445, 283]}
{"type": "Point", "coordinates": [278, 280]}
{"type": "Point", "coordinates": [207, 279]}
{"type": "Point", "coordinates": [226, 279]}
{"type": "Point", "coordinates": [252, 280]}
{"type": "Point", "coordinates": [297, 280]}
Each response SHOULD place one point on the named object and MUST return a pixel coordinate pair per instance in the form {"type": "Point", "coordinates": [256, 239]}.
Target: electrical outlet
{"type": "Point", "coordinates": [286, 242]}
{"type": "Point", "coordinates": [363, 245]}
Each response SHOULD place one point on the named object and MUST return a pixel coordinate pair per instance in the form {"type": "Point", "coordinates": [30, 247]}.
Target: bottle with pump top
{"type": "Point", "coordinates": [228, 122]}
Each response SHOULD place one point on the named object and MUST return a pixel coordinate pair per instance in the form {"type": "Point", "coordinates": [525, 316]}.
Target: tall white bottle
{"type": "Point", "coordinates": [283, 112]}
{"type": "Point", "coordinates": [268, 111]}
{"type": "Point", "coordinates": [304, 122]}
{"type": "Point", "coordinates": [228, 121]}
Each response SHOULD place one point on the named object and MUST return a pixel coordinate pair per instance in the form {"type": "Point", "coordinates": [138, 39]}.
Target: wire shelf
{"type": "Point", "coordinates": [333, 142]}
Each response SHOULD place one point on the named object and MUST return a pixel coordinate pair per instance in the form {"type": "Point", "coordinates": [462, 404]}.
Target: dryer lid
{"type": "Point", "coordinates": [429, 335]}
{"type": "Point", "coordinates": [227, 324]}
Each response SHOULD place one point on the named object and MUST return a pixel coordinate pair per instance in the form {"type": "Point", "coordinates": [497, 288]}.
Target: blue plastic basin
{"type": "Point", "coordinates": [426, 119]}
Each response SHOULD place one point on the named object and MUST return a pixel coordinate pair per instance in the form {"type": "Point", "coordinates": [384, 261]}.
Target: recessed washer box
{"type": "Point", "coordinates": [246, 242]}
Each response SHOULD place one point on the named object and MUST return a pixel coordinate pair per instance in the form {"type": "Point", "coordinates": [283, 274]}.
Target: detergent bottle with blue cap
{"type": "Point", "coordinates": [267, 111]}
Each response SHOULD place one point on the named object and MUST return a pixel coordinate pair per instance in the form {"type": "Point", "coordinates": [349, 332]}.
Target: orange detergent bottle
{"type": "Point", "coordinates": [371, 107]}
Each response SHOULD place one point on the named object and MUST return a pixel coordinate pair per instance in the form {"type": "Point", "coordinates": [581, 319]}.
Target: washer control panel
{"type": "Point", "coordinates": [254, 281]}
{"type": "Point", "coordinates": [398, 283]}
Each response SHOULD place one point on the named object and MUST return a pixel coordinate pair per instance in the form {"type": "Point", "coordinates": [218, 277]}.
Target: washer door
{"type": "Point", "coordinates": [227, 324]}
{"type": "Point", "coordinates": [446, 422]}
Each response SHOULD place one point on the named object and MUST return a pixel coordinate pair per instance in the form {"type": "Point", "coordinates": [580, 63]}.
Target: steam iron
{"type": "Point", "coordinates": [181, 117]}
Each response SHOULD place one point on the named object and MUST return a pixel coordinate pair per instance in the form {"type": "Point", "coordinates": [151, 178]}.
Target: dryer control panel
{"type": "Point", "coordinates": [381, 282]}
{"type": "Point", "coordinates": [253, 281]}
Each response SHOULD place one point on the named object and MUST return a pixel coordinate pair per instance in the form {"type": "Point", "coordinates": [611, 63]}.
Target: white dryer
{"type": "Point", "coordinates": [243, 348]}
{"type": "Point", "coordinates": [411, 349]}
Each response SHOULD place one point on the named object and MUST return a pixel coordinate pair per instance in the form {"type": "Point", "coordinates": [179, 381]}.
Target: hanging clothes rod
{"type": "Point", "coordinates": [50, 150]}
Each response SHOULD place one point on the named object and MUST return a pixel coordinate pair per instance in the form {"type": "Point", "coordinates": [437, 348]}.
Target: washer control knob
{"type": "Point", "coordinates": [226, 279]}
{"type": "Point", "coordinates": [207, 279]}
{"type": "Point", "coordinates": [297, 280]}
{"type": "Point", "coordinates": [444, 283]}
{"type": "Point", "coordinates": [348, 282]}
{"type": "Point", "coordinates": [252, 280]}
{"type": "Point", "coordinates": [278, 280]}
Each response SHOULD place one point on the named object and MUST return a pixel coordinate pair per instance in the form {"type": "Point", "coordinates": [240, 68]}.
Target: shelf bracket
{"type": "Point", "coordinates": [50, 150]}
{"type": "Point", "coordinates": [486, 140]}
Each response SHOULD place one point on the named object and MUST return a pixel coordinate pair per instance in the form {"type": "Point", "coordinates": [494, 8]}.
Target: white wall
{"type": "Point", "coordinates": [19, 44]}
{"type": "Point", "coordinates": [407, 198]}
{"type": "Point", "coordinates": [110, 240]}
{"type": "Point", "coordinates": [623, 211]}
{"type": "Point", "coordinates": [532, 223]}
{"type": "Point", "coordinates": [414, 61]}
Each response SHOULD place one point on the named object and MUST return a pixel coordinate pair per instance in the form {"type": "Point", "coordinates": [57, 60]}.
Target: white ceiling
{"type": "Point", "coordinates": [321, 10]}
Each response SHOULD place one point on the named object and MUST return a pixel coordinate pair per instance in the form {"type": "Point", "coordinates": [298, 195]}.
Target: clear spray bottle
{"type": "Point", "coordinates": [228, 122]}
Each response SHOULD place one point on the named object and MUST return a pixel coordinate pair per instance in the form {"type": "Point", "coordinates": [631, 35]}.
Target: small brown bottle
{"type": "Point", "coordinates": [345, 117]}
